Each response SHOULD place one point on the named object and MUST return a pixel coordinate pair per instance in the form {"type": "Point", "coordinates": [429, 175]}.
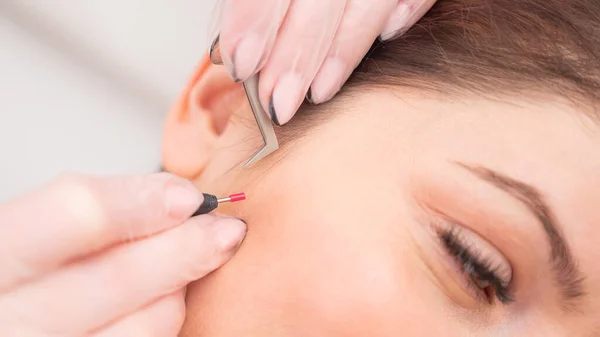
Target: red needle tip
{"type": "Point", "coordinates": [237, 197]}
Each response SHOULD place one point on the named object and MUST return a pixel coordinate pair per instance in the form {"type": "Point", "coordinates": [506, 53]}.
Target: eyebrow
{"type": "Point", "coordinates": [567, 274]}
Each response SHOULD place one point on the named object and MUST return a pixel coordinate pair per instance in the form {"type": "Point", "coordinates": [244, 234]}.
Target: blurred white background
{"type": "Point", "coordinates": [85, 84]}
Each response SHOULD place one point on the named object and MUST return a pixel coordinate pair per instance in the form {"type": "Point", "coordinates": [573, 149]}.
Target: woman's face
{"type": "Point", "coordinates": [414, 216]}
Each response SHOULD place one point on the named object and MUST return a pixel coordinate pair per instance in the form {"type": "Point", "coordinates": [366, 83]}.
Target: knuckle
{"type": "Point", "coordinates": [67, 179]}
{"type": "Point", "coordinates": [79, 200]}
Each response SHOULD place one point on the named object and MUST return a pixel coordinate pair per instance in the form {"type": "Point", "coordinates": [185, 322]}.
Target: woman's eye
{"type": "Point", "coordinates": [480, 283]}
{"type": "Point", "coordinates": [488, 276]}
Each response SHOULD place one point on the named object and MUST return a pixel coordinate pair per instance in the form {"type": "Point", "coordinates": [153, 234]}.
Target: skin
{"type": "Point", "coordinates": [342, 222]}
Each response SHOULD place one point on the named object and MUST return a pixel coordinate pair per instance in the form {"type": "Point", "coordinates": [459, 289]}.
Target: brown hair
{"type": "Point", "coordinates": [486, 47]}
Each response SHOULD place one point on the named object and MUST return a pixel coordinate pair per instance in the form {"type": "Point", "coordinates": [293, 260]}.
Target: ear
{"type": "Point", "coordinates": [198, 118]}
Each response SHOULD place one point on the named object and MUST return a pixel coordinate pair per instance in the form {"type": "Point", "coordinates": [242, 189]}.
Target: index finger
{"type": "Point", "coordinates": [247, 33]}
{"type": "Point", "coordinates": [79, 215]}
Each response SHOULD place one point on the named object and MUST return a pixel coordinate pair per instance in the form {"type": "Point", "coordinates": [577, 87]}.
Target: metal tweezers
{"type": "Point", "coordinates": [264, 122]}
{"type": "Point", "coordinates": [270, 143]}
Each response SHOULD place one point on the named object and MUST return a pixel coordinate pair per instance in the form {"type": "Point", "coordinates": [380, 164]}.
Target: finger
{"type": "Point", "coordinates": [96, 291]}
{"type": "Point", "coordinates": [406, 14]}
{"type": "Point", "coordinates": [159, 319]}
{"type": "Point", "coordinates": [78, 215]}
{"type": "Point", "coordinates": [300, 48]}
{"type": "Point", "coordinates": [361, 24]}
{"type": "Point", "coordinates": [247, 34]}
{"type": "Point", "coordinates": [213, 33]}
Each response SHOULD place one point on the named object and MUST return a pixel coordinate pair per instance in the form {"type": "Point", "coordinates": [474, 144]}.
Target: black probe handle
{"type": "Point", "coordinates": [209, 204]}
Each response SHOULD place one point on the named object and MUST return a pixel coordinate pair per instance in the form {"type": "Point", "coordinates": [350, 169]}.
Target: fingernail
{"type": "Point", "coordinates": [329, 80]}
{"type": "Point", "coordinates": [230, 65]}
{"type": "Point", "coordinates": [248, 56]}
{"type": "Point", "coordinates": [230, 233]}
{"type": "Point", "coordinates": [309, 96]}
{"type": "Point", "coordinates": [398, 21]}
{"type": "Point", "coordinates": [182, 201]}
{"type": "Point", "coordinates": [273, 113]}
{"type": "Point", "coordinates": [215, 52]}
{"type": "Point", "coordinates": [286, 98]}
{"type": "Point", "coordinates": [218, 59]}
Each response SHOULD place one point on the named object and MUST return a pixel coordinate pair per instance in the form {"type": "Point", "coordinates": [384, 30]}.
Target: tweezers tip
{"type": "Point", "coordinates": [250, 162]}
{"type": "Point", "coordinates": [264, 151]}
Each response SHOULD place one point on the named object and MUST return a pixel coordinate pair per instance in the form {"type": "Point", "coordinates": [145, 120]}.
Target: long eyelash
{"type": "Point", "coordinates": [473, 263]}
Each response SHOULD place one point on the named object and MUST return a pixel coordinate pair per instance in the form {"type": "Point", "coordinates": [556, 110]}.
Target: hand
{"type": "Point", "coordinates": [106, 257]}
{"type": "Point", "coordinates": [304, 47]}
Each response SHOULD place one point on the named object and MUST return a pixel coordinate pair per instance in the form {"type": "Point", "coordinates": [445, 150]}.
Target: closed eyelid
{"type": "Point", "coordinates": [569, 278]}
{"type": "Point", "coordinates": [443, 191]}
{"type": "Point", "coordinates": [484, 248]}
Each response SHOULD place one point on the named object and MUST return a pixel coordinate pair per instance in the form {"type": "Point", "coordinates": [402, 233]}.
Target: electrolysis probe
{"type": "Point", "coordinates": [211, 202]}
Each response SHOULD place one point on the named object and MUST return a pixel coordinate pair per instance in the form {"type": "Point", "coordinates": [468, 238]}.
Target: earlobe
{"type": "Point", "coordinates": [198, 118]}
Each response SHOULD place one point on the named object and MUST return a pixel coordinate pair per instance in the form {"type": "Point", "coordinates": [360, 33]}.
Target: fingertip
{"type": "Point", "coordinates": [211, 241]}
{"type": "Point", "coordinates": [215, 51]}
{"type": "Point", "coordinates": [181, 201]}
{"type": "Point", "coordinates": [223, 233]}
{"type": "Point", "coordinates": [288, 94]}
{"type": "Point", "coordinates": [404, 17]}
{"type": "Point", "coordinates": [273, 113]}
{"type": "Point", "coordinates": [230, 233]}
{"type": "Point", "coordinates": [329, 80]}
{"type": "Point", "coordinates": [309, 96]}
{"type": "Point", "coordinates": [398, 21]}
{"type": "Point", "coordinates": [249, 56]}
{"type": "Point", "coordinates": [181, 197]}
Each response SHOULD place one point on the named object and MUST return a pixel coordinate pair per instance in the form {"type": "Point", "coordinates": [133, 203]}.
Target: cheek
{"type": "Point", "coordinates": [344, 268]}
{"type": "Point", "coordinates": [305, 278]}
